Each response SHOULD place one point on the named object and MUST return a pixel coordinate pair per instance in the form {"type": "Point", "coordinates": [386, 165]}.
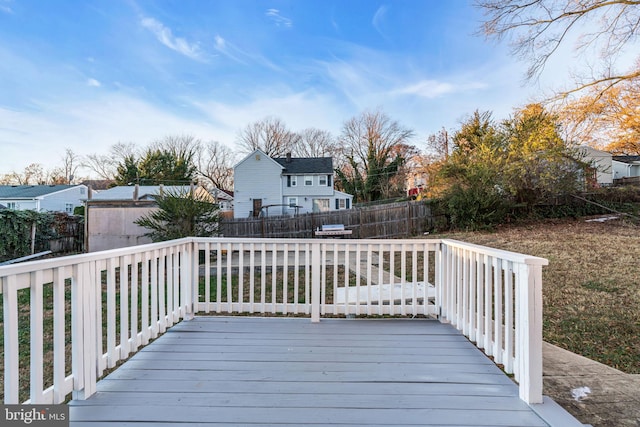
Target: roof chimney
{"type": "Point", "coordinates": [289, 157]}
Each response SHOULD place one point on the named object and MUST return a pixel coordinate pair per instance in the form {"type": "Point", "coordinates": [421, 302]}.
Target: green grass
{"type": "Point", "coordinates": [591, 287]}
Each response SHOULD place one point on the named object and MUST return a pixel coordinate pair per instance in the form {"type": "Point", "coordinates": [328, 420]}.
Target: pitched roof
{"type": "Point", "coordinates": [301, 165]}
{"type": "Point", "coordinates": [627, 159]}
{"type": "Point", "coordinates": [30, 191]}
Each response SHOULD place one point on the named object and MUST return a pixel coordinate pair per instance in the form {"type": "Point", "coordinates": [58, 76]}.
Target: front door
{"type": "Point", "coordinates": [257, 207]}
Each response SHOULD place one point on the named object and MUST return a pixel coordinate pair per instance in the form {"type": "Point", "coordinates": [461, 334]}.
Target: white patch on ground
{"type": "Point", "coordinates": [580, 393]}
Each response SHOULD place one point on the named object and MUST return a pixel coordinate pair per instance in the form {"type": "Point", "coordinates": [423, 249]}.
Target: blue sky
{"type": "Point", "coordinates": [86, 74]}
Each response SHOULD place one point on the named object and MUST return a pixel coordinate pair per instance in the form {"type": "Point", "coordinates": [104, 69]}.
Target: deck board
{"type": "Point", "coordinates": [288, 371]}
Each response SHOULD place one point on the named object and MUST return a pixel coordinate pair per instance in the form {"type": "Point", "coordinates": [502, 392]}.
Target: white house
{"type": "Point", "coordinates": [224, 200]}
{"type": "Point", "coordinates": [43, 198]}
{"type": "Point", "coordinates": [626, 166]}
{"type": "Point", "coordinates": [601, 161]}
{"type": "Point", "coordinates": [285, 186]}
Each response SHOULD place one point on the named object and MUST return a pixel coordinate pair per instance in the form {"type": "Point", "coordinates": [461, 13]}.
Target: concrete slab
{"type": "Point", "coordinates": [594, 393]}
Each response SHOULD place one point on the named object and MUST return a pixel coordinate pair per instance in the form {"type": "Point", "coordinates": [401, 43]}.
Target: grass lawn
{"type": "Point", "coordinates": [591, 287]}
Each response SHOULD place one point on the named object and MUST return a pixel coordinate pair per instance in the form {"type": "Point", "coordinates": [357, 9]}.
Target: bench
{"type": "Point", "coordinates": [332, 230]}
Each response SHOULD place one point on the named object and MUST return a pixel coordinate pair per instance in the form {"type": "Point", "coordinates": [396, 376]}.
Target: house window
{"type": "Point", "coordinates": [292, 181]}
{"type": "Point", "coordinates": [82, 191]}
{"type": "Point", "coordinates": [68, 208]}
{"type": "Point", "coordinates": [11, 205]}
{"type": "Point", "coordinates": [308, 180]}
{"type": "Point", "coordinates": [320, 205]}
{"type": "Point", "coordinates": [322, 180]}
{"type": "Point", "coordinates": [343, 204]}
{"type": "Point", "coordinates": [292, 201]}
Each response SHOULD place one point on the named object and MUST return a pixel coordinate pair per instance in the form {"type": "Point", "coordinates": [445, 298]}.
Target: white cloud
{"type": "Point", "coordinates": [88, 126]}
{"type": "Point", "coordinates": [435, 89]}
{"type": "Point", "coordinates": [233, 52]}
{"type": "Point", "coordinates": [229, 50]}
{"type": "Point", "coordinates": [93, 83]}
{"type": "Point", "coordinates": [220, 42]}
{"type": "Point", "coordinates": [4, 6]}
{"type": "Point", "coordinates": [299, 110]}
{"type": "Point", "coordinates": [378, 19]}
{"type": "Point", "coordinates": [279, 20]}
{"type": "Point", "coordinates": [166, 37]}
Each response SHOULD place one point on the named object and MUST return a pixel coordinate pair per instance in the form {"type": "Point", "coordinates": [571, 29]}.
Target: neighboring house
{"type": "Point", "coordinates": [626, 167]}
{"type": "Point", "coordinates": [224, 199]}
{"type": "Point", "coordinates": [602, 164]}
{"type": "Point", "coordinates": [43, 198]}
{"type": "Point", "coordinates": [416, 182]}
{"type": "Point", "coordinates": [285, 186]}
{"type": "Point", "coordinates": [110, 214]}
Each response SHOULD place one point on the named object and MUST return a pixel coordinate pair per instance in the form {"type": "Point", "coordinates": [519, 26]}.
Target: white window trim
{"type": "Point", "coordinates": [289, 199]}
{"type": "Point", "coordinates": [294, 181]}
{"type": "Point", "coordinates": [308, 178]}
{"type": "Point", "coordinates": [322, 178]}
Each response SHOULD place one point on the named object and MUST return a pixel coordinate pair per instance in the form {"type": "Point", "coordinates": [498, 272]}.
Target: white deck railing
{"type": "Point", "coordinates": [87, 312]}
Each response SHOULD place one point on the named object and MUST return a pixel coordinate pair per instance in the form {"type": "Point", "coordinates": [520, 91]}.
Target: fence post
{"type": "Point", "coordinates": [530, 338]}
{"type": "Point", "coordinates": [315, 282]}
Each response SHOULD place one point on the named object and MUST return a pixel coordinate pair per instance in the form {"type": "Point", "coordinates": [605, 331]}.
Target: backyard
{"type": "Point", "coordinates": [591, 286]}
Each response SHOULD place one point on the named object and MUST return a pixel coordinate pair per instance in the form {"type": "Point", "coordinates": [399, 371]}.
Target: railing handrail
{"type": "Point", "coordinates": [312, 241]}
{"type": "Point", "coordinates": [499, 253]}
{"type": "Point", "coordinates": [459, 279]}
{"type": "Point", "coordinates": [68, 260]}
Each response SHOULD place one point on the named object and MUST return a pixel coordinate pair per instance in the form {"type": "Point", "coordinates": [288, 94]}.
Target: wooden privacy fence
{"type": "Point", "coordinates": [386, 221]}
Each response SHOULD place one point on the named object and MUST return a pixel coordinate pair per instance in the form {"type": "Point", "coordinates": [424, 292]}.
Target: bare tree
{"type": "Point", "coordinates": [439, 144]}
{"type": "Point", "coordinates": [57, 176]}
{"type": "Point", "coordinates": [105, 165]}
{"type": "Point", "coordinates": [374, 147]}
{"type": "Point", "coordinates": [538, 28]}
{"type": "Point", "coordinates": [269, 135]}
{"type": "Point", "coordinates": [31, 175]}
{"type": "Point", "coordinates": [315, 143]}
{"type": "Point", "coordinates": [182, 147]}
{"type": "Point", "coordinates": [70, 165]}
{"type": "Point", "coordinates": [215, 165]}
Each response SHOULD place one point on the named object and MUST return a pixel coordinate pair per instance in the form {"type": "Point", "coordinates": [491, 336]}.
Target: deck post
{"type": "Point", "coordinates": [315, 282]}
{"type": "Point", "coordinates": [190, 278]}
{"type": "Point", "coordinates": [531, 333]}
{"type": "Point", "coordinates": [11, 343]}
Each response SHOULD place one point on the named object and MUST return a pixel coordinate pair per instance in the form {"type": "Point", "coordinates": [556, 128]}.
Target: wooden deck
{"type": "Point", "coordinates": [289, 371]}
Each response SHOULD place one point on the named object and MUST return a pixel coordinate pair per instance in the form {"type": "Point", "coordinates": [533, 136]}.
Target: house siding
{"type": "Point", "coordinates": [257, 177]}
{"type": "Point", "coordinates": [601, 161]}
{"type": "Point", "coordinates": [56, 202]}
{"type": "Point", "coordinates": [625, 169]}
{"type": "Point", "coordinates": [21, 204]}
{"type": "Point", "coordinates": [53, 202]}
{"type": "Point", "coordinates": [307, 190]}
